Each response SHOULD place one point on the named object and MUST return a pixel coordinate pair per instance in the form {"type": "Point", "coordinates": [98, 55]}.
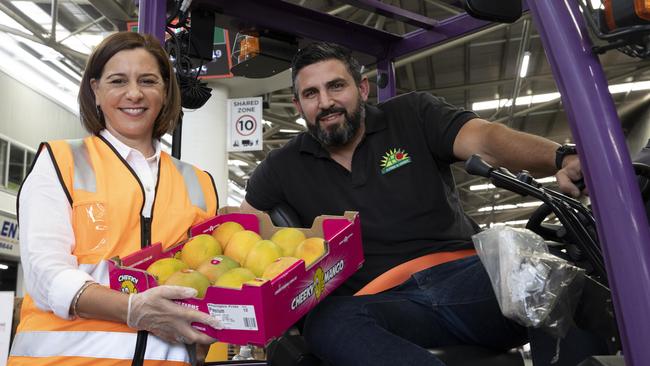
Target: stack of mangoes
{"type": "Point", "coordinates": [232, 256]}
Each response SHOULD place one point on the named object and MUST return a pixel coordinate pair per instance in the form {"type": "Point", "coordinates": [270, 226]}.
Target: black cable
{"type": "Point", "coordinates": [140, 348]}
{"type": "Point", "coordinates": [565, 209]}
{"type": "Point", "coordinates": [174, 14]}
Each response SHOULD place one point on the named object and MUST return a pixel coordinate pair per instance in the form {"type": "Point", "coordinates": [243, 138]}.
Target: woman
{"type": "Point", "coordinates": [108, 195]}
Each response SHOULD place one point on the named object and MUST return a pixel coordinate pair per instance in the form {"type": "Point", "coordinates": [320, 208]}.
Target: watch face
{"type": "Point", "coordinates": [567, 149]}
{"type": "Point", "coordinates": [562, 151]}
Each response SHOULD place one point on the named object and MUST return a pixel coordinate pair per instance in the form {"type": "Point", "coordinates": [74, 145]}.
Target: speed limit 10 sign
{"type": "Point", "coordinates": [245, 124]}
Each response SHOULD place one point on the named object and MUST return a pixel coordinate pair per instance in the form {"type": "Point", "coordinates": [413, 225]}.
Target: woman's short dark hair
{"type": "Point", "coordinates": [322, 51]}
{"type": "Point", "coordinates": [91, 118]}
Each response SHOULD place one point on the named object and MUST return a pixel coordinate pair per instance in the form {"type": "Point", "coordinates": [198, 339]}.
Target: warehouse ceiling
{"type": "Point", "coordinates": [481, 67]}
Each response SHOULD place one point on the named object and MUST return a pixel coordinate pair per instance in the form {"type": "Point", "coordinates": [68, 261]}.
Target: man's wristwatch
{"type": "Point", "coordinates": [562, 152]}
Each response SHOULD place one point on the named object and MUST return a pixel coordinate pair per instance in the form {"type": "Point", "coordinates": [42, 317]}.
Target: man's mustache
{"type": "Point", "coordinates": [329, 111]}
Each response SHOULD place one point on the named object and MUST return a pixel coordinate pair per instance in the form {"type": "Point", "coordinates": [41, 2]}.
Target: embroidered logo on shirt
{"type": "Point", "coordinates": [394, 159]}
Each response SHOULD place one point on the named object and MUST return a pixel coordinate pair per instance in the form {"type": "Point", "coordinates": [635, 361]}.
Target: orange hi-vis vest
{"type": "Point", "coordinates": [107, 200]}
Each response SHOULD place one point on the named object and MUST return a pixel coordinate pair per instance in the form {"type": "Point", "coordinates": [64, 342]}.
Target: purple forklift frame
{"type": "Point", "coordinates": [622, 224]}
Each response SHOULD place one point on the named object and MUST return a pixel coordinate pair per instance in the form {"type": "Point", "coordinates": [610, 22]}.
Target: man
{"type": "Point", "coordinates": [391, 162]}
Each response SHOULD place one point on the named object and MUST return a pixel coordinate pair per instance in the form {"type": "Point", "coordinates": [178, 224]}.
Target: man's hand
{"type": "Point", "coordinates": [570, 173]}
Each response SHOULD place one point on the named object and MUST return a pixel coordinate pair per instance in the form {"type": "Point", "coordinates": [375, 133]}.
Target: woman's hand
{"type": "Point", "coordinates": [155, 311]}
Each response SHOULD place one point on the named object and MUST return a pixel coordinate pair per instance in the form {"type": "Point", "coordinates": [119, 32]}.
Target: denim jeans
{"type": "Point", "coordinates": [449, 304]}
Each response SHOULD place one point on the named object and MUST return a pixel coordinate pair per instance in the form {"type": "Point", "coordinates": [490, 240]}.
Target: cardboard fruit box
{"type": "Point", "coordinates": [258, 313]}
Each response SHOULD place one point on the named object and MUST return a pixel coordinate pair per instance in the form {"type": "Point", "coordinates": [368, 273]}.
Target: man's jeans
{"type": "Point", "coordinates": [449, 304]}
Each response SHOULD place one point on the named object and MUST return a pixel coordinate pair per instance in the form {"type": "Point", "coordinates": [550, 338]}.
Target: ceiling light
{"type": "Point", "coordinates": [509, 206]}
{"type": "Point", "coordinates": [546, 180]}
{"type": "Point", "coordinates": [596, 4]}
{"type": "Point", "coordinates": [289, 130]}
{"type": "Point", "coordinates": [237, 162]}
{"type": "Point", "coordinates": [483, 187]}
{"type": "Point", "coordinates": [541, 98]}
{"type": "Point", "coordinates": [524, 64]}
{"type": "Point", "coordinates": [3, 266]}
{"type": "Point", "coordinates": [234, 201]}
{"type": "Point", "coordinates": [20, 65]}
{"type": "Point", "coordinates": [509, 223]}
{"type": "Point", "coordinates": [301, 121]}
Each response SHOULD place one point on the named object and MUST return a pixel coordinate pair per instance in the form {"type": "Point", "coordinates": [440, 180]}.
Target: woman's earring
{"type": "Point", "coordinates": [99, 111]}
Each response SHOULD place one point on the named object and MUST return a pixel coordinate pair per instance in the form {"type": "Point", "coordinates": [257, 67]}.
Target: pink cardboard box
{"type": "Point", "coordinates": [257, 314]}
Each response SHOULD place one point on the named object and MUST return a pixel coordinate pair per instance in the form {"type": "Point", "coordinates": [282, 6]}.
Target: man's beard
{"type": "Point", "coordinates": [341, 134]}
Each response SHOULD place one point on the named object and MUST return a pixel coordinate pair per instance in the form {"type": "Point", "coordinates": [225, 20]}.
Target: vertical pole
{"type": "Point", "coordinates": [385, 79]}
{"type": "Point", "coordinates": [622, 224]}
{"type": "Point", "coordinates": [205, 131]}
{"type": "Point", "coordinates": [177, 137]}
{"type": "Point", "coordinates": [153, 14]}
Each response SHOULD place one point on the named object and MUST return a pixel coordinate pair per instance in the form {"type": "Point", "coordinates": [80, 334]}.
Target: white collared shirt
{"type": "Point", "coordinates": [145, 168]}
{"type": "Point", "coordinates": [52, 274]}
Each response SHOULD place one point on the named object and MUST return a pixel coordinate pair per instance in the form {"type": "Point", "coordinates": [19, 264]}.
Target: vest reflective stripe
{"type": "Point", "coordinates": [93, 344]}
{"type": "Point", "coordinates": [84, 175]}
{"type": "Point", "coordinates": [192, 183]}
{"type": "Point", "coordinates": [84, 361]}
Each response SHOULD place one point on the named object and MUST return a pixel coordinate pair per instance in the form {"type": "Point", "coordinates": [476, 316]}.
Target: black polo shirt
{"type": "Point", "coordinates": [401, 183]}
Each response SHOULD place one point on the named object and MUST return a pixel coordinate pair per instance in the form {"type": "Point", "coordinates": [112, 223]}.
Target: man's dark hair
{"type": "Point", "coordinates": [322, 51]}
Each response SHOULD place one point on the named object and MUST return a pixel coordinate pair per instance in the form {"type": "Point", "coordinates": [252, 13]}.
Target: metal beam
{"type": "Point", "coordinates": [524, 112]}
{"type": "Point", "coordinates": [368, 19]}
{"type": "Point", "coordinates": [82, 28]}
{"type": "Point", "coordinates": [16, 14]}
{"type": "Point", "coordinates": [459, 26]}
{"type": "Point", "coordinates": [238, 180]}
{"type": "Point", "coordinates": [270, 132]}
{"type": "Point", "coordinates": [394, 12]}
{"type": "Point", "coordinates": [55, 19]}
{"type": "Point", "coordinates": [115, 13]}
{"type": "Point", "coordinates": [466, 75]}
{"type": "Point", "coordinates": [410, 72]}
{"type": "Point", "coordinates": [277, 141]}
{"type": "Point", "coordinates": [542, 106]}
{"type": "Point", "coordinates": [547, 76]}
{"type": "Point", "coordinates": [16, 32]}
{"type": "Point", "coordinates": [339, 10]}
{"type": "Point", "coordinates": [440, 47]}
{"type": "Point", "coordinates": [40, 35]}
{"type": "Point", "coordinates": [444, 6]}
{"type": "Point", "coordinates": [523, 47]}
{"type": "Point", "coordinates": [277, 119]}
{"type": "Point", "coordinates": [243, 157]}
{"type": "Point", "coordinates": [281, 105]}
{"type": "Point", "coordinates": [300, 21]}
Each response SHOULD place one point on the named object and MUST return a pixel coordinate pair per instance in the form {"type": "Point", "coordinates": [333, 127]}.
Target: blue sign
{"type": "Point", "coordinates": [9, 236]}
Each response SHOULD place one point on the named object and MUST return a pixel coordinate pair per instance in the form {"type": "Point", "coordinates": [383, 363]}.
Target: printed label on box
{"type": "Point", "coordinates": [238, 317]}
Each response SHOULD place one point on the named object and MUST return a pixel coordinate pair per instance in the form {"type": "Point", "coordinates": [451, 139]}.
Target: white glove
{"type": "Point", "coordinates": [154, 311]}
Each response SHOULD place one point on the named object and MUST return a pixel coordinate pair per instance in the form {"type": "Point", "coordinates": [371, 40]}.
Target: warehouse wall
{"type": "Point", "coordinates": [28, 118]}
